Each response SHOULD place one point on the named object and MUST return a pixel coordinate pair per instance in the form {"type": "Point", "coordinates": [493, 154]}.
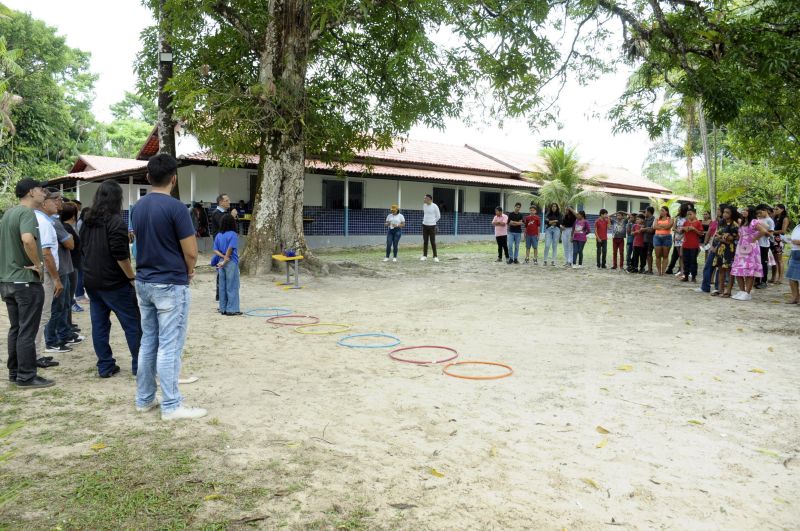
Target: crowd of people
{"type": "Point", "coordinates": [55, 254]}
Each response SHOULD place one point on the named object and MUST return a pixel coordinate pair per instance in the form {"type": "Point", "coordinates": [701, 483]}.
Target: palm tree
{"type": "Point", "coordinates": [564, 179]}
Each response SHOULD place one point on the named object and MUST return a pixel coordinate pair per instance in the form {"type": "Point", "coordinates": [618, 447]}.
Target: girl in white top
{"type": "Point", "coordinates": [793, 271]}
{"type": "Point", "coordinates": [395, 223]}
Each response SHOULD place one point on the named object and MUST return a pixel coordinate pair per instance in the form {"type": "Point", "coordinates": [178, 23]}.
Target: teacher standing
{"type": "Point", "coordinates": [430, 216]}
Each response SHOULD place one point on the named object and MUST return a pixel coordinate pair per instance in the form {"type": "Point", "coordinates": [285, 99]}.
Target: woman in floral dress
{"type": "Point", "coordinates": [747, 262]}
{"type": "Point", "coordinates": [727, 232]}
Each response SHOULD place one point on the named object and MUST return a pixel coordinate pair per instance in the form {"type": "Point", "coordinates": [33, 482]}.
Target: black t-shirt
{"type": "Point", "coordinates": [569, 220]}
{"type": "Point", "coordinates": [514, 216]}
{"type": "Point", "coordinates": [553, 217]}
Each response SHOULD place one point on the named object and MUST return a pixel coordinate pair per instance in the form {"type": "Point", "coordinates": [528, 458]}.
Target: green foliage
{"type": "Point", "coordinates": [744, 184]}
{"type": "Point", "coordinates": [135, 107]}
{"type": "Point", "coordinates": [121, 138]}
{"type": "Point", "coordinates": [564, 178]}
{"type": "Point", "coordinates": [53, 119]}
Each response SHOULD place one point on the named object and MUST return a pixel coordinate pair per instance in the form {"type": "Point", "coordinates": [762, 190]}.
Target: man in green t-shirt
{"type": "Point", "coordinates": [21, 283]}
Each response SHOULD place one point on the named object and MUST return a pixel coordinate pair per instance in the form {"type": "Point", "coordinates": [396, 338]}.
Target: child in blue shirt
{"type": "Point", "coordinates": [226, 260]}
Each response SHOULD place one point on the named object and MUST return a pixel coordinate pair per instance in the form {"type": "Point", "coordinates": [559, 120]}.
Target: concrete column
{"type": "Point", "coordinates": [455, 220]}
{"type": "Point", "coordinates": [399, 195]}
{"type": "Point", "coordinates": [130, 191]}
{"type": "Point", "coordinates": [503, 200]}
{"type": "Point", "coordinates": [78, 190]}
{"type": "Point", "coordinates": [192, 185]}
{"type": "Point", "coordinates": [346, 206]}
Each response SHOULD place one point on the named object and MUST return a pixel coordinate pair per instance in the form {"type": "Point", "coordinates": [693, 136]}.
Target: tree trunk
{"type": "Point", "coordinates": [712, 182]}
{"type": "Point", "coordinates": [278, 211]}
{"type": "Point", "coordinates": [688, 149]}
{"type": "Point", "coordinates": [166, 122]}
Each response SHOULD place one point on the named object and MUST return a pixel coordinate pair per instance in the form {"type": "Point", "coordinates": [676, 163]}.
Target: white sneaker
{"type": "Point", "coordinates": [385, 259]}
{"type": "Point", "coordinates": [747, 296]}
{"type": "Point", "coordinates": [715, 292]}
{"type": "Point", "coordinates": [423, 258]}
{"type": "Point", "coordinates": [436, 259]}
{"type": "Point", "coordinates": [698, 290]}
{"type": "Point", "coordinates": [184, 412]}
{"type": "Point", "coordinates": [394, 259]}
{"type": "Point", "coordinates": [149, 407]}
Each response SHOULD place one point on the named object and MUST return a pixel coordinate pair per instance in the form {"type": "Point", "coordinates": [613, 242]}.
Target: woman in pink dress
{"type": "Point", "coordinates": [747, 262]}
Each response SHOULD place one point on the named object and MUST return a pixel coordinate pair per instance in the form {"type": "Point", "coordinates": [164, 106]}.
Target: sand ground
{"type": "Point", "coordinates": [699, 396]}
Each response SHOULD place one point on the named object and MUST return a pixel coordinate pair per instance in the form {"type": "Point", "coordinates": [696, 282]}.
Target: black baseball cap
{"type": "Point", "coordinates": [26, 185]}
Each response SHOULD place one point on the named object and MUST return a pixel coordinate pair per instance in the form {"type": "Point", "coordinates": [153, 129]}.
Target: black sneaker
{"type": "Point", "coordinates": [516, 261]}
{"type": "Point", "coordinates": [37, 382]}
{"type": "Point", "coordinates": [12, 377]}
{"type": "Point", "coordinates": [761, 285]}
{"type": "Point", "coordinates": [114, 371]}
{"type": "Point", "coordinates": [58, 349]}
{"type": "Point", "coordinates": [46, 364]}
{"type": "Point", "coordinates": [499, 260]}
{"type": "Point", "coordinates": [510, 261]}
{"type": "Point", "coordinates": [74, 340]}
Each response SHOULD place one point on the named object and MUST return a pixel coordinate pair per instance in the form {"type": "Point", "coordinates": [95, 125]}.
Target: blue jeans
{"type": "Point", "coordinates": [165, 316]}
{"type": "Point", "coordinates": [629, 254]}
{"type": "Point", "coordinates": [514, 238]}
{"type": "Point", "coordinates": [531, 241]}
{"type": "Point", "coordinates": [58, 330]}
{"type": "Point", "coordinates": [551, 242]}
{"type": "Point", "coordinates": [566, 239]}
{"type": "Point", "coordinates": [393, 240]}
{"type": "Point", "coordinates": [229, 288]}
{"type": "Point", "coordinates": [79, 291]}
{"type": "Point", "coordinates": [577, 255]}
{"type": "Point", "coordinates": [121, 301]}
{"type": "Point", "coordinates": [708, 273]}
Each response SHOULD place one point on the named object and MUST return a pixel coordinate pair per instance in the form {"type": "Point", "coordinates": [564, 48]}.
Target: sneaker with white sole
{"type": "Point", "coordinates": [698, 290]}
{"type": "Point", "coordinates": [386, 259]}
{"type": "Point", "coordinates": [148, 407]}
{"type": "Point", "coordinates": [74, 340]}
{"type": "Point", "coordinates": [59, 349]}
{"type": "Point", "coordinates": [184, 412]}
{"type": "Point", "coordinates": [394, 259]}
{"type": "Point", "coordinates": [423, 258]}
{"type": "Point", "coordinates": [435, 259]}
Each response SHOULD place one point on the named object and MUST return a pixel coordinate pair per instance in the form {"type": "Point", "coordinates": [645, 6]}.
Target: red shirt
{"type": "Point", "coordinates": [601, 228]}
{"type": "Point", "coordinates": [638, 239]}
{"type": "Point", "coordinates": [691, 239]}
{"type": "Point", "coordinates": [532, 224]}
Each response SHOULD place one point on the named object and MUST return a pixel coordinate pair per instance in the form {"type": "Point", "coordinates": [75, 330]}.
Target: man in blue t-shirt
{"type": "Point", "coordinates": [165, 259]}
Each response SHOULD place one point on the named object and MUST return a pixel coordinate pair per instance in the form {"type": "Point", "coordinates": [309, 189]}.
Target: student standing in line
{"type": "Point", "coordinates": [764, 243]}
{"type": "Point", "coordinates": [601, 238]}
{"type": "Point", "coordinates": [793, 271]}
{"type": "Point", "coordinates": [21, 275]}
{"type": "Point", "coordinates": [662, 240]}
{"type": "Point", "coordinates": [500, 222]}
{"type": "Point", "coordinates": [677, 241]}
{"type": "Point", "coordinates": [727, 234]}
{"type": "Point", "coordinates": [618, 235]}
{"type": "Point", "coordinates": [638, 258]}
{"type": "Point", "coordinates": [692, 232]}
{"type": "Point", "coordinates": [629, 236]}
{"type": "Point", "coordinates": [532, 225]}
{"type": "Point", "coordinates": [649, 233]}
{"type": "Point", "coordinates": [164, 266]}
{"type": "Point", "coordinates": [226, 260]}
{"type": "Point", "coordinates": [782, 223]}
{"type": "Point", "coordinates": [580, 231]}
{"type": "Point", "coordinates": [430, 217]}
{"type": "Point", "coordinates": [395, 222]}
{"type": "Point", "coordinates": [710, 244]}
{"type": "Point", "coordinates": [747, 263]}
{"type": "Point", "coordinates": [552, 232]}
{"type": "Point", "coordinates": [567, 223]}
{"type": "Point", "coordinates": [515, 232]}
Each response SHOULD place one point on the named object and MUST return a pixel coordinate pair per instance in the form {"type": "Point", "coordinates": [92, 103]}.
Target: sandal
{"type": "Point", "coordinates": [726, 295]}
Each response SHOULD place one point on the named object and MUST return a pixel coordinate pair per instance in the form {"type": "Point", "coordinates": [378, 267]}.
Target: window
{"type": "Point", "coordinates": [622, 205]}
{"type": "Point", "coordinates": [489, 201]}
{"type": "Point", "coordinates": [643, 205]}
{"type": "Point", "coordinates": [445, 199]}
{"type": "Point", "coordinates": [333, 194]}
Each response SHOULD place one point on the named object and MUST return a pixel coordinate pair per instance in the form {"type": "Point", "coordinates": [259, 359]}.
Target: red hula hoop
{"type": "Point", "coordinates": [272, 320]}
{"type": "Point", "coordinates": [423, 362]}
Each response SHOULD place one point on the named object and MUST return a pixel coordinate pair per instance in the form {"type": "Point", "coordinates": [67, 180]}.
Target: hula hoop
{"type": "Point", "coordinates": [423, 362]}
{"type": "Point", "coordinates": [343, 341]}
{"type": "Point", "coordinates": [505, 375]}
{"type": "Point", "coordinates": [342, 328]}
{"type": "Point", "coordinates": [258, 312]}
{"type": "Point", "coordinates": [272, 320]}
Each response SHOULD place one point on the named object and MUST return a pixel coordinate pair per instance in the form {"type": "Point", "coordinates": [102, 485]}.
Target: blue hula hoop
{"type": "Point", "coordinates": [276, 312]}
{"type": "Point", "coordinates": [343, 341]}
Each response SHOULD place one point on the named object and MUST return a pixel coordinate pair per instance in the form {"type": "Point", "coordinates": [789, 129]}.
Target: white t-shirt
{"type": "Point", "coordinates": [795, 236]}
{"type": "Point", "coordinates": [770, 223]}
{"type": "Point", "coordinates": [47, 234]}
{"type": "Point", "coordinates": [430, 214]}
{"type": "Point", "coordinates": [394, 220]}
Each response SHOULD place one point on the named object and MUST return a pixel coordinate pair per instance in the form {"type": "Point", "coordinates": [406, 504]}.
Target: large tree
{"type": "Point", "coordinates": [287, 78]}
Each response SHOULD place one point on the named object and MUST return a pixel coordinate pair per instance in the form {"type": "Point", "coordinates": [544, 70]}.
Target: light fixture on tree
{"type": "Point", "coordinates": [165, 57]}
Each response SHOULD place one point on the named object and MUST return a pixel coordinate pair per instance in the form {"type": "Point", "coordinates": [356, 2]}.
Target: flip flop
{"type": "Point", "coordinates": [189, 380]}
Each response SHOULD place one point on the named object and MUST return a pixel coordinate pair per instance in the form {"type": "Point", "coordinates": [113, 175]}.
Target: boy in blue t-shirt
{"type": "Point", "coordinates": [226, 260]}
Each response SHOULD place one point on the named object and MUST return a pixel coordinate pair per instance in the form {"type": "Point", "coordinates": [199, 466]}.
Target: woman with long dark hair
{"type": "Point", "coordinates": [662, 239]}
{"type": "Point", "coordinates": [677, 240]}
{"type": "Point", "coordinates": [747, 262]}
{"type": "Point", "coordinates": [725, 251]}
{"type": "Point", "coordinates": [109, 278]}
{"type": "Point", "coordinates": [782, 224]}
{"type": "Point", "coordinates": [552, 231]}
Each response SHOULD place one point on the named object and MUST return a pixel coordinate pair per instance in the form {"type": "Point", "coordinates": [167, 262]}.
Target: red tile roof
{"type": "Point", "coordinates": [93, 167]}
{"type": "Point", "coordinates": [150, 146]}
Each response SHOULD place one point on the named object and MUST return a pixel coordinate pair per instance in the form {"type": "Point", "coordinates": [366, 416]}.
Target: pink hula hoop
{"type": "Point", "coordinates": [272, 320]}
{"type": "Point", "coordinates": [423, 362]}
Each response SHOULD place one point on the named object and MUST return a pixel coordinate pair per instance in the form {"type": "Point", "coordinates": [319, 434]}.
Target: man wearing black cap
{"type": "Point", "coordinates": [21, 283]}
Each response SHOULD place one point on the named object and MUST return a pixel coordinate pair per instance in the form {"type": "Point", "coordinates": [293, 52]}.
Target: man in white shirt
{"type": "Point", "coordinates": [762, 212]}
{"type": "Point", "coordinates": [51, 282]}
{"type": "Point", "coordinates": [430, 216]}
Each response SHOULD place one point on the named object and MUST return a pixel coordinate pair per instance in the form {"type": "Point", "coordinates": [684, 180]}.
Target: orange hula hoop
{"type": "Point", "coordinates": [505, 375]}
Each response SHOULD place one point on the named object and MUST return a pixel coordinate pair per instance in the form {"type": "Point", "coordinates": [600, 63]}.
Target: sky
{"type": "Point", "coordinates": [109, 30]}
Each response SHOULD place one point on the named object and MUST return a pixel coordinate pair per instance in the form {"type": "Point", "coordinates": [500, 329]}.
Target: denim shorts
{"type": "Point", "coordinates": [531, 241]}
{"type": "Point", "coordinates": [793, 271]}
{"type": "Point", "coordinates": [662, 240]}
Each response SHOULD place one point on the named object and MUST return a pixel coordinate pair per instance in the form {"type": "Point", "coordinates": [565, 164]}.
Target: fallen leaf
{"type": "Point", "coordinates": [757, 370]}
{"type": "Point", "coordinates": [293, 444]}
{"type": "Point", "coordinates": [688, 323]}
{"type": "Point", "coordinates": [609, 374]}
{"type": "Point", "coordinates": [602, 430]}
{"type": "Point", "coordinates": [771, 349]}
{"type": "Point", "coordinates": [601, 444]}
{"type": "Point", "coordinates": [781, 500]}
{"type": "Point", "coordinates": [604, 389]}
{"type": "Point", "coordinates": [212, 497]}
{"type": "Point", "coordinates": [626, 368]}
{"type": "Point", "coordinates": [697, 422]}
{"type": "Point", "coordinates": [717, 378]}
{"type": "Point", "coordinates": [770, 453]}
{"type": "Point", "coordinates": [98, 446]}
{"type": "Point", "coordinates": [740, 329]}
{"type": "Point", "coordinates": [493, 452]}
{"type": "Point", "coordinates": [402, 505]}
{"type": "Point", "coordinates": [592, 483]}
{"type": "Point", "coordinates": [435, 472]}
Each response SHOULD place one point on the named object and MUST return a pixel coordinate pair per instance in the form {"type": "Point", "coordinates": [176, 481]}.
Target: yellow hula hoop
{"type": "Point", "coordinates": [466, 377]}
{"type": "Point", "coordinates": [342, 327]}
